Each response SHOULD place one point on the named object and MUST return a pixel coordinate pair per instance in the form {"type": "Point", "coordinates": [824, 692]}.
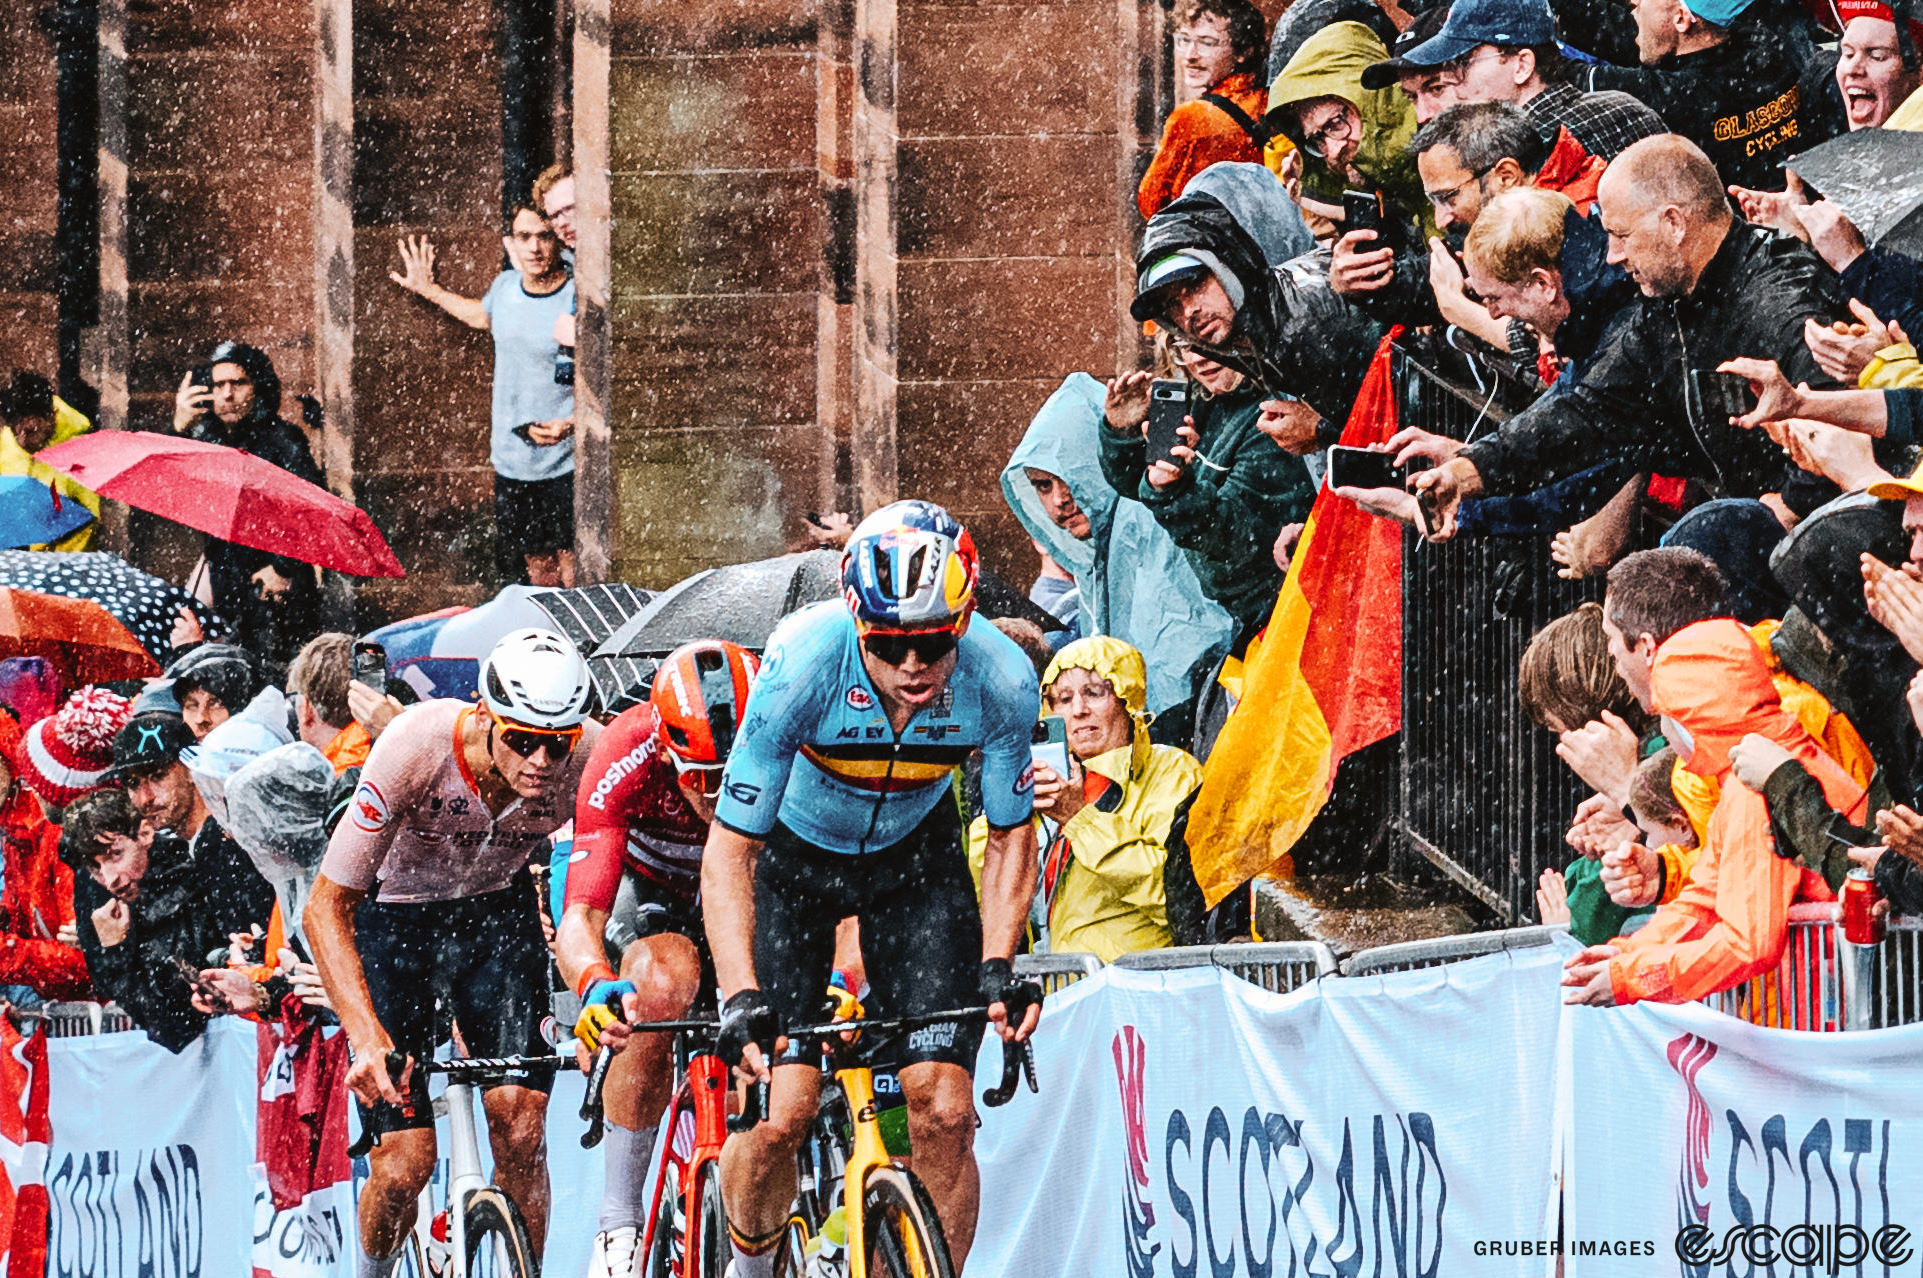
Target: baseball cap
{"type": "Point", "coordinates": [1899, 489]}
{"type": "Point", "coordinates": [1427, 26]}
{"type": "Point", "coordinates": [1717, 12]}
{"type": "Point", "coordinates": [1513, 24]}
{"type": "Point", "coordinates": [1164, 271]}
{"type": "Point", "coordinates": [151, 740]}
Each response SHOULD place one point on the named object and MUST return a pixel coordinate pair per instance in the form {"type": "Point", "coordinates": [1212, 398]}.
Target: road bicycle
{"type": "Point", "coordinates": [687, 1226]}
{"type": "Point", "coordinates": [485, 1237]}
{"type": "Point", "coordinates": [890, 1226]}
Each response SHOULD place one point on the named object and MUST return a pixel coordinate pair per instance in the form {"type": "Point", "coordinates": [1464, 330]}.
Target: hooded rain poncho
{"type": "Point", "coordinates": [1134, 582]}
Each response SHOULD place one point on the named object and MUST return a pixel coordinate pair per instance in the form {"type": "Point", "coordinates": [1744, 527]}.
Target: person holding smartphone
{"type": "Point", "coordinates": [1222, 490]}
{"type": "Point", "coordinates": [1115, 872]}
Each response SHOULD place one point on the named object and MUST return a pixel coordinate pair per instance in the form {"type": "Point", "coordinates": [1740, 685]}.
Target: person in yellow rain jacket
{"type": "Point", "coordinates": [1107, 827]}
{"type": "Point", "coordinates": [36, 418]}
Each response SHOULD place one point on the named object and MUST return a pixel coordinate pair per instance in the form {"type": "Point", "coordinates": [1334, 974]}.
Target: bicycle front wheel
{"type": "Point", "coordinates": [901, 1234]}
{"type": "Point", "coordinates": [711, 1230]}
{"type": "Point", "coordinates": [497, 1242]}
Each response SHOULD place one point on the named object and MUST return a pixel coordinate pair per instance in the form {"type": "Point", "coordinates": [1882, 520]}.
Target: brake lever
{"type": "Point", "coordinates": [1018, 1063]}
{"type": "Point", "coordinates": [754, 1104]}
{"type": "Point", "coordinates": [371, 1135]}
{"type": "Point", "coordinates": [591, 1111]}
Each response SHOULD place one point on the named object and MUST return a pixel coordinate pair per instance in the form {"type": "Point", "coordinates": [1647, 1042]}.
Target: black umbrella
{"type": "Point", "coordinates": [743, 602]}
{"type": "Point", "coordinates": [143, 603]}
{"type": "Point", "coordinates": [587, 616]}
{"type": "Point", "coordinates": [1876, 177]}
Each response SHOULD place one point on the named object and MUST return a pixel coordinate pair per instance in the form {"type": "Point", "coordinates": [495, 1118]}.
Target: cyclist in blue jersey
{"type": "Point", "coordinates": [836, 802]}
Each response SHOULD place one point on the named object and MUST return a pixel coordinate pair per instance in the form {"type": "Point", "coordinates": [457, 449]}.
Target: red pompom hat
{"type": "Point", "coordinates": [67, 754]}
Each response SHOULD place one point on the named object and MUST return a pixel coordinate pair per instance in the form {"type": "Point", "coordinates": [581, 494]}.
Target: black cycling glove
{"type": "Point", "coordinates": [1000, 985]}
{"type": "Point", "coordinates": [746, 1018]}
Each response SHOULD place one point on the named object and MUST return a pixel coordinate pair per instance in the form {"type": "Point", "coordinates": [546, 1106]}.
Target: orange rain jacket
{"type": "Point", "coordinates": [1199, 134]}
{"type": "Point", "coordinates": [1731, 922]}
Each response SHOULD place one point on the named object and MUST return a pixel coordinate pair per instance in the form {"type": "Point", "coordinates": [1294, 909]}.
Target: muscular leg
{"type": "Point", "coordinates": [398, 1169]}
{"type": "Point", "coordinates": [758, 1167]}
{"type": "Point", "coordinates": [666, 971]}
{"type": "Point", "coordinates": [941, 1127]}
{"type": "Point", "coordinates": [517, 1129]}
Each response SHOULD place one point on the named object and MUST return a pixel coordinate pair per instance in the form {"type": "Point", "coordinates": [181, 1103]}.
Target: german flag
{"type": "Point", "coordinates": [1322, 681]}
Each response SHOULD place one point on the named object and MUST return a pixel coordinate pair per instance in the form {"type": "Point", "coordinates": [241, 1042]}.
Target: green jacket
{"type": "Point", "coordinates": [1330, 65]}
{"type": "Point", "coordinates": [1226, 509]}
{"type": "Point", "coordinates": [1594, 919]}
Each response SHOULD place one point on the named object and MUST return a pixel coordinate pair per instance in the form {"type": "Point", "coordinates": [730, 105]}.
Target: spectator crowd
{"type": "Point", "coordinates": [1720, 417]}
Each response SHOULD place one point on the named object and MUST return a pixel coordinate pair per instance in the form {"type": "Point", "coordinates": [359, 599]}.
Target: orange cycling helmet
{"type": "Point", "coordinates": [701, 692]}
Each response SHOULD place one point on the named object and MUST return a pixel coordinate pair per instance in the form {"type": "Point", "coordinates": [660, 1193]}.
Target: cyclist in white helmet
{"type": "Point", "coordinates": [425, 894]}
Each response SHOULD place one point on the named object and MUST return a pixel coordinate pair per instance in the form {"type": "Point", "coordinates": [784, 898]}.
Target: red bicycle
{"type": "Point", "coordinates": [687, 1231]}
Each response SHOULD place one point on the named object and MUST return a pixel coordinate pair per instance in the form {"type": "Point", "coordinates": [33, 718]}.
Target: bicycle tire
{"type": "Point", "coordinates": [791, 1259]}
{"type": "Point", "coordinates": [411, 1261]}
{"type": "Point", "coordinates": [710, 1230]}
{"type": "Point", "coordinates": [665, 1243]}
{"type": "Point", "coordinates": [901, 1234]}
{"type": "Point", "coordinates": [492, 1219]}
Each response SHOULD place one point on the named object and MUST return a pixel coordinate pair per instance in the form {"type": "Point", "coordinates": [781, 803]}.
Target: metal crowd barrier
{"type": "Point", "coordinates": [1482, 794]}
{"type": "Point", "coordinates": [1278, 966]}
{"type": "Point", "coordinates": [1407, 956]}
{"type": "Point", "coordinates": [1057, 971]}
{"type": "Point", "coordinates": [77, 1020]}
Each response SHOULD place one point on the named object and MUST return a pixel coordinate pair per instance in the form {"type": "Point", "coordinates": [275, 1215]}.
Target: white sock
{"type": "Point", "coordinates": [628, 1156]}
{"type": "Point", "coordinates": [746, 1266]}
{"type": "Point", "coordinates": [365, 1266]}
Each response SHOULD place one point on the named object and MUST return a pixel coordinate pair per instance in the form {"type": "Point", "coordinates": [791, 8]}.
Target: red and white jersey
{"type": "Point", "coordinates": [629, 814]}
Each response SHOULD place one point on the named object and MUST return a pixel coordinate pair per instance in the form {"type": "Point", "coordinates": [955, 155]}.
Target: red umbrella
{"type": "Point", "coordinates": [78, 636]}
{"type": "Point", "coordinates": [228, 494]}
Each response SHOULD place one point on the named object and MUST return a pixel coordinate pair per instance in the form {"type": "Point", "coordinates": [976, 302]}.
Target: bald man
{"type": "Point", "coordinates": [1712, 286]}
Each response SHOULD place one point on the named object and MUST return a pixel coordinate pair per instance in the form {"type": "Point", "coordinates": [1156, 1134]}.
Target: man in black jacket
{"type": "Point", "coordinates": [1730, 82]}
{"type": "Point", "coordinates": [161, 916]}
{"type": "Point", "coordinates": [234, 399]}
{"type": "Point", "coordinates": [1202, 273]}
{"type": "Point", "coordinates": [1713, 287]}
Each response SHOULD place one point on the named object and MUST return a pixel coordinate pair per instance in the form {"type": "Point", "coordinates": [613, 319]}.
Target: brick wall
{"type": "Point", "coordinates": [28, 199]}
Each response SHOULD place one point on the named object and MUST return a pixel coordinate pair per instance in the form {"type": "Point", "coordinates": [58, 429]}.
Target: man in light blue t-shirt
{"type": "Point", "coordinates": [532, 442]}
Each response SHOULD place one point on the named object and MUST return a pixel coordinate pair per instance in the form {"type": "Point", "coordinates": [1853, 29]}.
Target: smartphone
{"type": "Point", "coordinates": [1365, 211]}
{"type": "Point", "coordinates": [203, 376]}
{"type": "Point", "coordinates": [1050, 746]}
{"type": "Point", "coordinates": [525, 431]}
{"type": "Point", "coordinates": [1168, 404]}
{"type": "Point", "coordinates": [1722, 395]}
{"type": "Point", "coordinates": [1363, 468]}
{"type": "Point", "coordinates": [370, 665]}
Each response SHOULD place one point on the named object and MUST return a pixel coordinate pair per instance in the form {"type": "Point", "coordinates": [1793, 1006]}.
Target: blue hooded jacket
{"type": "Point", "coordinates": [1134, 582]}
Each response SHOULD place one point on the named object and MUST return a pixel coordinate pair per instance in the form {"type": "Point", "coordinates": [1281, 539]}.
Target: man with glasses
{"type": "Point", "coordinates": [837, 801]}
{"type": "Point", "coordinates": [425, 897]}
{"type": "Point", "coordinates": [1218, 53]}
{"type": "Point", "coordinates": [631, 884]}
{"type": "Point", "coordinates": [1506, 51]}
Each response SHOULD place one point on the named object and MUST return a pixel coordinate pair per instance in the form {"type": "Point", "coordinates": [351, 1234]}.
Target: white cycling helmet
{"type": "Point", "coordinates": [537, 679]}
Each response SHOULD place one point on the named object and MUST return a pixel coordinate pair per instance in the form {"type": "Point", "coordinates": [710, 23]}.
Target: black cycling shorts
{"type": "Point", "coordinates": [644, 907]}
{"type": "Point", "coordinates": [921, 931]}
{"type": "Point", "coordinates": [482, 957]}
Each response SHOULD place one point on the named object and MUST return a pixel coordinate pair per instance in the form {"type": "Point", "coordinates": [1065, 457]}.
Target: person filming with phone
{"type": "Point", "coordinates": [1194, 453]}
{"type": "Point", "coordinates": [1110, 809]}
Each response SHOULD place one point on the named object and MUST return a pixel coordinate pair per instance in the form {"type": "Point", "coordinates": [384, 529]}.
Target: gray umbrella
{"type": "Point", "coordinates": [1876, 177]}
{"type": "Point", "coordinates": [743, 602]}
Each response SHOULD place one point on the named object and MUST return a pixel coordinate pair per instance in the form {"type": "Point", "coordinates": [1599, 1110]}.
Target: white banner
{"type": "Point", "coordinates": [151, 1173]}
{"type": "Point", "coordinates": [1191, 1124]}
{"type": "Point", "coordinates": [1682, 1119]}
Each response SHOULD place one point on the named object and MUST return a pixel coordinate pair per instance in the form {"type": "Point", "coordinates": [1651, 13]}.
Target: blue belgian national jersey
{"type": "Point", "coordinates": [817, 754]}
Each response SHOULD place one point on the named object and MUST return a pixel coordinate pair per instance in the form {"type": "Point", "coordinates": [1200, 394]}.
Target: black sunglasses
{"type": "Point", "coordinates": [893, 649]}
{"type": "Point", "coordinates": [525, 741]}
